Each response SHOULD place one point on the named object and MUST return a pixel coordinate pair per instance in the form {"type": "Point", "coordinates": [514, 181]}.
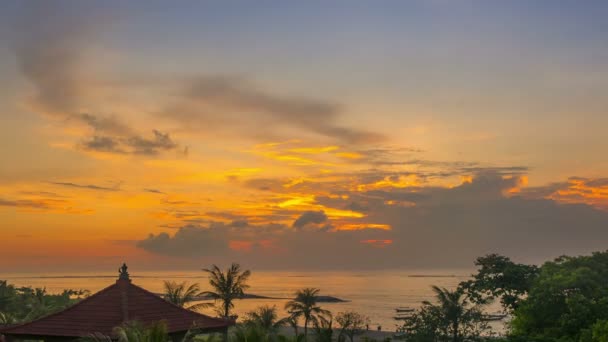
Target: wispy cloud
{"type": "Point", "coordinates": [88, 186]}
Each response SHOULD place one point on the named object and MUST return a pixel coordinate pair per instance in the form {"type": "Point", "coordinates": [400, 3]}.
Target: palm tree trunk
{"type": "Point", "coordinates": [306, 329]}
{"type": "Point", "coordinates": [455, 337]}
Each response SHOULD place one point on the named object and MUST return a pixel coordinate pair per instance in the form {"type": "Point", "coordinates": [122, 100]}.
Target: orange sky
{"type": "Point", "coordinates": [116, 147]}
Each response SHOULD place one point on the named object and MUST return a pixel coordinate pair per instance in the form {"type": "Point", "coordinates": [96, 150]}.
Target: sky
{"type": "Point", "coordinates": [301, 135]}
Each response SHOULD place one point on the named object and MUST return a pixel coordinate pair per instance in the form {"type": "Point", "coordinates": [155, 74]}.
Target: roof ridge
{"type": "Point", "coordinates": [219, 319]}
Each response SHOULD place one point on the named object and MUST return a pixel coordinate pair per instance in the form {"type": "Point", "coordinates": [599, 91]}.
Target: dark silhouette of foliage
{"type": "Point", "coordinates": [305, 306]}
{"type": "Point", "coordinates": [182, 294]}
{"type": "Point", "coordinates": [265, 318]}
{"type": "Point", "coordinates": [23, 304]}
{"type": "Point", "coordinates": [452, 318]}
{"type": "Point", "coordinates": [351, 324]}
{"type": "Point", "coordinates": [227, 286]}
{"type": "Point", "coordinates": [499, 277]}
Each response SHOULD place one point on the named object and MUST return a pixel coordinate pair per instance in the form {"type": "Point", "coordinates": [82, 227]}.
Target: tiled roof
{"type": "Point", "coordinates": [111, 307]}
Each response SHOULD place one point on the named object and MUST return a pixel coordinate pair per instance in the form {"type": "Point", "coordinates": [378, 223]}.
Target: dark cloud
{"type": "Point", "coordinates": [44, 205]}
{"type": "Point", "coordinates": [35, 204]}
{"type": "Point", "coordinates": [308, 217]}
{"type": "Point", "coordinates": [250, 111]}
{"type": "Point", "coordinates": [155, 191]}
{"type": "Point", "coordinates": [134, 144]}
{"type": "Point", "coordinates": [103, 144]}
{"type": "Point", "coordinates": [430, 226]}
{"type": "Point", "coordinates": [51, 50]}
{"type": "Point", "coordinates": [189, 241]}
{"type": "Point", "coordinates": [87, 186]}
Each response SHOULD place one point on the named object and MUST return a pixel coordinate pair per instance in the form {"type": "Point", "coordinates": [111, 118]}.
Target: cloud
{"type": "Point", "coordinates": [308, 217]}
{"type": "Point", "coordinates": [188, 241]}
{"type": "Point", "coordinates": [53, 52]}
{"type": "Point", "coordinates": [44, 205]}
{"type": "Point", "coordinates": [446, 225]}
{"type": "Point", "coordinates": [155, 191]}
{"type": "Point", "coordinates": [87, 186]}
{"type": "Point", "coordinates": [250, 111]}
{"type": "Point", "coordinates": [132, 144]}
{"type": "Point", "coordinates": [592, 191]}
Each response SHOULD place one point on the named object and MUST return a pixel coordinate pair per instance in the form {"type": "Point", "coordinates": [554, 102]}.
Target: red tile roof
{"type": "Point", "coordinates": [111, 307]}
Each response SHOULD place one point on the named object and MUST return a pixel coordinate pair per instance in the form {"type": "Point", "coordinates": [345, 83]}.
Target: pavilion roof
{"type": "Point", "coordinates": [111, 307]}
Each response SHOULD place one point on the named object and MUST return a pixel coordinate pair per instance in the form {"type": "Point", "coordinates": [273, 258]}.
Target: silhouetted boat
{"type": "Point", "coordinates": [493, 317]}
{"type": "Point", "coordinates": [404, 309]}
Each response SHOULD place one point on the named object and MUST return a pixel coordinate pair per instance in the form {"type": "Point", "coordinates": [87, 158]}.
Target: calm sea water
{"type": "Point", "coordinates": [373, 293]}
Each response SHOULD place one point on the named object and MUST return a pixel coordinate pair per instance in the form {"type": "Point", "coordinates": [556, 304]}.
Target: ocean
{"type": "Point", "coordinates": [373, 293]}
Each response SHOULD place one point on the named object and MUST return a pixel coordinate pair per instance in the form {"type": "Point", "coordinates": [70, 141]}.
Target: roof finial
{"type": "Point", "coordinates": [122, 272]}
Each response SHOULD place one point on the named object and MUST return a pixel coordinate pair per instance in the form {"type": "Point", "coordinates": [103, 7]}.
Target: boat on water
{"type": "Point", "coordinates": [493, 317]}
{"type": "Point", "coordinates": [402, 317]}
{"type": "Point", "coordinates": [404, 309]}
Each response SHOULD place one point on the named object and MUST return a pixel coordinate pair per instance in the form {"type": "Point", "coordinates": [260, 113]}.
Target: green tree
{"type": "Point", "coordinates": [351, 324]}
{"type": "Point", "coordinates": [452, 318]}
{"type": "Point", "coordinates": [135, 331]}
{"type": "Point", "coordinates": [182, 294]}
{"type": "Point", "coordinates": [305, 306]}
{"type": "Point", "coordinates": [227, 286]}
{"type": "Point", "coordinates": [323, 328]}
{"type": "Point", "coordinates": [499, 277]}
{"type": "Point", "coordinates": [599, 331]}
{"type": "Point", "coordinates": [567, 298]}
{"type": "Point", "coordinates": [266, 318]}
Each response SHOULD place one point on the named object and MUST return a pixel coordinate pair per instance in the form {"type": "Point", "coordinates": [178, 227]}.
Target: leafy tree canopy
{"type": "Point", "coordinates": [500, 278]}
{"type": "Point", "coordinates": [568, 301]}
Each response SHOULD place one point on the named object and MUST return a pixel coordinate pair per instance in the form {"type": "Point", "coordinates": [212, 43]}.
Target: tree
{"type": "Point", "coordinates": [452, 318]}
{"type": "Point", "coordinates": [567, 298]}
{"type": "Point", "coordinates": [351, 324]}
{"type": "Point", "coordinates": [323, 327]}
{"type": "Point", "coordinates": [599, 331]}
{"type": "Point", "coordinates": [305, 305]}
{"type": "Point", "coordinates": [135, 331]}
{"type": "Point", "coordinates": [265, 317]}
{"type": "Point", "coordinates": [499, 277]}
{"type": "Point", "coordinates": [183, 294]}
{"type": "Point", "coordinates": [228, 286]}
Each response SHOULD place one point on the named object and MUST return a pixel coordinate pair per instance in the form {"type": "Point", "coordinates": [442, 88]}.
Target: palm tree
{"type": "Point", "coordinates": [265, 317]}
{"type": "Point", "coordinates": [136, 332]}
{"type": "Point", "coordinates": [228, 286]}
{"type": "Point", "coordinates": [454, 311]}
{"type": "Point", "coordinates": [305, 305]}
{"type": "Point", "coordinates": [324, 328]}
{"type": "Point", "coordinates": [7, 318]}
{"type": "Point", "coordinates": [182, 294]}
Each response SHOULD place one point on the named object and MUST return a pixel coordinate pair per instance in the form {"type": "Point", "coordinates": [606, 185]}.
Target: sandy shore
{"type": "Point", "coordinates": [371, 334]}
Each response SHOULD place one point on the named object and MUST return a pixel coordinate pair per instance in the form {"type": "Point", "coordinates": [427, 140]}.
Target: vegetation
{"type": "Point", "coordinates": [266, 319]}
{"type": "Point", "coordinates": [500, 278]}
{"type": "Point", "coordinates": [227, 286]}
{"type": "Point", "coordinates": [323, 328]}
{"type": "Point", "coordinates": [305, 306]}
{"type": "Point", "coordinates": [564, 300]}
{"type": "Point", "coordinates": [451, 318]}
{"type": "Point", "coordinates": [137, 332]}
{"type": "Point", "coordinates": [23, 304]}
{"type": "Point", "coordinates": [351, 324]}
{"type": "Point", "coordinates": [182, 294]}
{"type": "Point", "coordinates": [568, 301]}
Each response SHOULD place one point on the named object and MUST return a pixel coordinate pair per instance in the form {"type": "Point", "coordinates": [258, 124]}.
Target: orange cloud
{"type": "Point", "coordinates": [361, 226]}
{"type": "Point", "coordinates": [378, 243]}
